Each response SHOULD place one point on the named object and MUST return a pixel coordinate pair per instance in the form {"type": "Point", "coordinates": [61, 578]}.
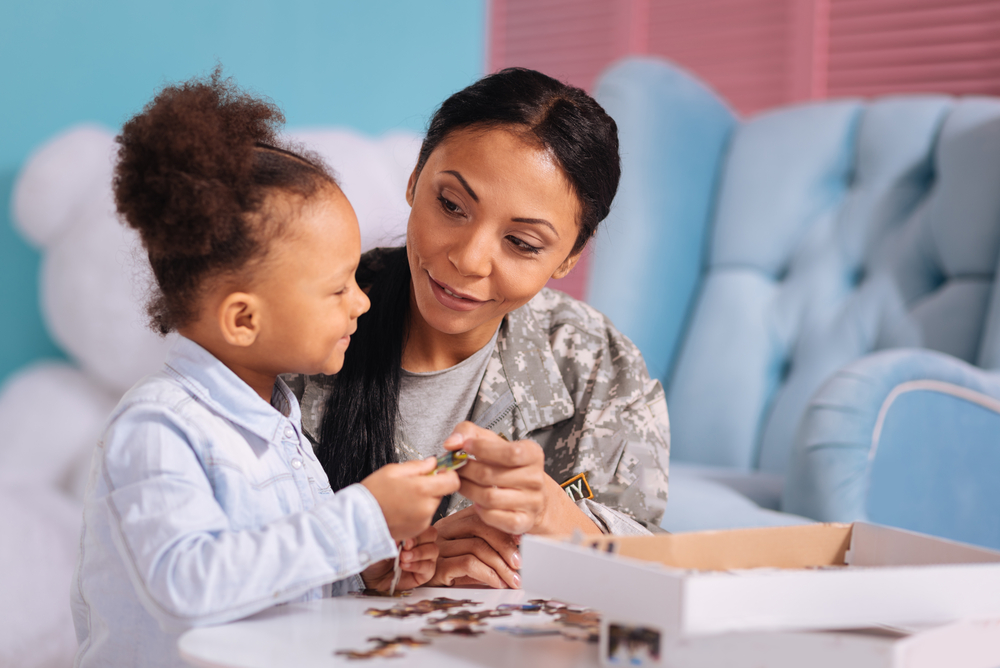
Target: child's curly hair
{"type": "Point", "coordinates": [194, 170]}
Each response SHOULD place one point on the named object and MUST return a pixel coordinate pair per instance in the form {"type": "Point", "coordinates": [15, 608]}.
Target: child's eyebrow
{"type": "Point", "coordinates": [465, 184]}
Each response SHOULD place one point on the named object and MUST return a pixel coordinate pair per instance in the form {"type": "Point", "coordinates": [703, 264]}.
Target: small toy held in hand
{"type": "Point", "coordinates": [450, 461]}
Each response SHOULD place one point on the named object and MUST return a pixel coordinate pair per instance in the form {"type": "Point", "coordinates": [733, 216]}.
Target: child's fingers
{"type": "Point", "coordinates": [439, 485]}
{"type": "Point", "coordinates": [424, 552]}
{"type": "Point", "coordinates": [416, 467]}
{"type": "Point", "coordinates": [422, 572]}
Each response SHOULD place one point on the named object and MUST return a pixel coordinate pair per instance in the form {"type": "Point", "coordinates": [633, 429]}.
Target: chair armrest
{"type": "Point", "coordinates": [909, 438]}
{"type": "Point", "coordinates": [697, 503]}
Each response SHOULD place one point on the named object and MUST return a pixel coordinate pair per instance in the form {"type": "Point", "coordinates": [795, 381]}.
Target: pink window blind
{"type": "Point", "coordinates": [761, 53]}
{"type": "Point", "coordinates": [889, 46]}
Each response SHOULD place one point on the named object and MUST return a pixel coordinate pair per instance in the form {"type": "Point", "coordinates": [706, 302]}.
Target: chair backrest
{"type": "Point", "coordinates": [834, 229]}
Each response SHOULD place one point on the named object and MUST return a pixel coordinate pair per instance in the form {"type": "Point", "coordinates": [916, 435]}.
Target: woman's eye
{"type": "Point", "coordinates": [449, 206]}
{"type": "Point", "coordinates": [523, 245]}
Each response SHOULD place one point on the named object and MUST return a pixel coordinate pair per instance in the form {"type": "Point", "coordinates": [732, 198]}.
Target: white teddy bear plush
{"type": "Point", "coordinates": [94, 282]}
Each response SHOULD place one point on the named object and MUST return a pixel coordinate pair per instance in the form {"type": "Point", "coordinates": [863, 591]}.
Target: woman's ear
{"type": "Point", "coordinates": [411, 186]}
{"type": "Point", "coordinates": [240, 319]}
{"type": "Point", "coordinates": [567, 264]}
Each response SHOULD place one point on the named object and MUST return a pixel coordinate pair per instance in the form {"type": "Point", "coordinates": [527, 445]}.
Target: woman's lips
{"type": "Point", "coordinates": [451, 299]}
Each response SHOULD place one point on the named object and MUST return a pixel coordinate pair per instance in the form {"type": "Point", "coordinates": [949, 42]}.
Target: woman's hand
{"type": "Point", "coordinates": [509, 488]}
{"type": "Point", "coordinates": [473, 553]}
{"type": "Point", "coordinates": [417, 560]}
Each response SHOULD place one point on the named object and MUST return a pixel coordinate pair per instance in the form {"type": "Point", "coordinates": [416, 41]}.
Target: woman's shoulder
{"type": "Point", "coordinates": [556, 312]}
{"type": "Point", "coordinates": [576, 335]}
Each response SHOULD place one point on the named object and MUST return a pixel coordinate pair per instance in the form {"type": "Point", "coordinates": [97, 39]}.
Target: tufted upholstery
{"type": "Point", "coordinates": [807, 237]}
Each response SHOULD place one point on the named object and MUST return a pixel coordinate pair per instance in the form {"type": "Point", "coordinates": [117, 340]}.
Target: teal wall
{"type": "Point", "coordinates": [374, 65]}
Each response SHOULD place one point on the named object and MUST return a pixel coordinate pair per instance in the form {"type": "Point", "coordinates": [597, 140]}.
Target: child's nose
{"type": "Point", "coordinates": [361, 303]}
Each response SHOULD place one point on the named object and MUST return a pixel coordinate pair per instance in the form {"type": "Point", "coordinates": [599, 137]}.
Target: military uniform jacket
{"type": "Point", "coordinates": [562, 375]}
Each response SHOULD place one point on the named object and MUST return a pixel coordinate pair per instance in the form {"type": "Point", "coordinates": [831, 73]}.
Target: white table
{"type": "Point", "coordinates": [307, 635]}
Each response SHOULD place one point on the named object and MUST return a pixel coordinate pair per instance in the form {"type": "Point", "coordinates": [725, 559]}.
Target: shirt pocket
{"type": "Point", "coordinates": [253, 485]}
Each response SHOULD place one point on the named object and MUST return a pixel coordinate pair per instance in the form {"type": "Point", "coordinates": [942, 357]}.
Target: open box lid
{"type": "Point", "coordinates": [792, 547]}
{"type": "Point", "coordinates": [821, 576]}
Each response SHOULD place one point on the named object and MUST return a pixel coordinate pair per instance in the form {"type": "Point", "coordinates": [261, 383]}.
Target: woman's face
{"type": "Point", "coordinates": [492, 219]}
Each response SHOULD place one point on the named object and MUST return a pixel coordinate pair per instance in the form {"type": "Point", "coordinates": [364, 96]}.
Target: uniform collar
{"type": "Point", "coordinates": [530, 370]}
{"type": "Point", "coordinates": [223, 391]}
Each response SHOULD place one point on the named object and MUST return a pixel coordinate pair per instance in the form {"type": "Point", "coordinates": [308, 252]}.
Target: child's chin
{"type": "Point", "coordinates": [332, 367]}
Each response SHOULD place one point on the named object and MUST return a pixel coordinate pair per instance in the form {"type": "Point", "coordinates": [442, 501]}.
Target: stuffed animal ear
{"type": "Point", "coordinates": [59, 178]}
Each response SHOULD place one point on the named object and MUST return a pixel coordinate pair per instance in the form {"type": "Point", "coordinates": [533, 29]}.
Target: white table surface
{"type": "Point", "coordinates": [307, 635]}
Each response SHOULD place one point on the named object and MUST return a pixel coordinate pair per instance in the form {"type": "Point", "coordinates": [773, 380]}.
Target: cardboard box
{"type": "Point", "coordinates": [809, 577]}
{"type": "Point", "coordinates": [963, 644]}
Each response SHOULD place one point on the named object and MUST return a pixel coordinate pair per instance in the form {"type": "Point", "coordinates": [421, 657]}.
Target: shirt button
{"type": "Point", "coordinates": [296, 463]}
{"type": "Point", "coordinates": [289, 432]}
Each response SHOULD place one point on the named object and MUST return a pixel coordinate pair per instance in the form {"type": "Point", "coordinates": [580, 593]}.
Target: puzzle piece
{"type": "Point", "coordinates": [450, 461]}
{"type": "Point", "coordinates": [386, 648]}
{"type": "Point", "coordinates": [423, 607]}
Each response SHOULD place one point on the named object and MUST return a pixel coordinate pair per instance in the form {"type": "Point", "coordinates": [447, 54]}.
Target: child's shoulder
{"type": "Point", "coordinates": [159, 394]}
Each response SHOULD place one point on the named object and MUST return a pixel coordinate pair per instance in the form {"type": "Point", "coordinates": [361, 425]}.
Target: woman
{"type": "Point", "coordinates": [513, 178]}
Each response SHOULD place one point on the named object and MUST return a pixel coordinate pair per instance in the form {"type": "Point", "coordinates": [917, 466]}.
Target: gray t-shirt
{"type": "Point", "coordinates": [433, 402]}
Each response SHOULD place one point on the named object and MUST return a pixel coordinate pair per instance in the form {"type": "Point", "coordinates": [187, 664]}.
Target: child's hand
{"type": "Point", "coordinates": [408, 496]}
{"type": "Point", "coordinates": [417, 560]}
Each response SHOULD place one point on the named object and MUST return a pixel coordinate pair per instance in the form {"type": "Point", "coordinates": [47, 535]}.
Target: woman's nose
{"type": "Point", "coordinates": [472, 255]}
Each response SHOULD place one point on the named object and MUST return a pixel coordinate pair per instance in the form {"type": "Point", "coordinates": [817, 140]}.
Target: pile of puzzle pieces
{"type": "Point", "coordinates": [568, 621]}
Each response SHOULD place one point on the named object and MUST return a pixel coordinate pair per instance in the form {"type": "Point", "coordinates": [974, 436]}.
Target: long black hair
{"type": "Point", "coordinates": [358, 431]}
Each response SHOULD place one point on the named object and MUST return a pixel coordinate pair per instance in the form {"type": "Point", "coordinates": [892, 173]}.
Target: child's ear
{"type": "Point", "coordinates": [411, 185]}
{"type": "Point", "coordinates": [567, 265]}
{"type": "Point", "coordinates": [240, 319]}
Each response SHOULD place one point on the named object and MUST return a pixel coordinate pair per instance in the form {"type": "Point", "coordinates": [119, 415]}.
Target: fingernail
{"type": "Point", "coordinates": [515, 559]}
{"type": "Point", "coordinates": [454, 438]}
{"type": "Point", "coordinates": [517, 581]}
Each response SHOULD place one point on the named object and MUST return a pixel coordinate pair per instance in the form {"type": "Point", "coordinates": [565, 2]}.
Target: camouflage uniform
{"type": "Point", "coordinates": [561, 375]}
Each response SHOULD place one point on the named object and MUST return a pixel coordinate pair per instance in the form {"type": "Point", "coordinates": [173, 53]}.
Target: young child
{"type": "Point", "coordinates": [205, 503]}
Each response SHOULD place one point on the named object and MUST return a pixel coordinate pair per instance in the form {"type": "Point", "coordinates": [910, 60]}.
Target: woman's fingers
{"type": "Point", "coordinates": [491, 449]}
{"type": "Point", "coordinates": [484, 554]}
{"type": "Point", "coordinates": [466, 523]}
{"type": "Point", "coordinates": [491, 475]}
{"type": "Point", "coordinates": [465, 569]}
{"type": "Point", "coordinates": [502, 498]}
{"type": "Point", "coordinates": [514, 521]}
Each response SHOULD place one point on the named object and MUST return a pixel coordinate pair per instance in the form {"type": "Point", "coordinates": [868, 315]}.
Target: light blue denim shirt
{"type": "Point", "coordinates": [205, 504]}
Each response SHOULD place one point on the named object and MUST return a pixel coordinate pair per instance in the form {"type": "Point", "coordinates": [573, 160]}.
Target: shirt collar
{"type": "Point", "coordinates": [217, 386]}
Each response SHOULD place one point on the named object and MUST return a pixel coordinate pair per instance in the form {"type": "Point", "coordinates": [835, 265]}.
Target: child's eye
{"type": "Point", "coordinates": [449, 206]}
{"type": "Point", "coordinates": [523, 245]}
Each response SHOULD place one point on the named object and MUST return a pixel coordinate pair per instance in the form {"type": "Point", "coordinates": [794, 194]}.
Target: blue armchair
{"type": "Point", "coordinates": [815, 287]}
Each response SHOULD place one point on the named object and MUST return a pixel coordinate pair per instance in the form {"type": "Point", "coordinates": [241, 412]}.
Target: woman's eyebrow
{"type": "Point", "coordinates": [465, 184]}
{"type": "Point", "coordinates": [538, 221]}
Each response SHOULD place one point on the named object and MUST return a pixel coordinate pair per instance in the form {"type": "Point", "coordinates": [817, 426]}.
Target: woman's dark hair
{"type": "Point", "coordinates": [195, 167]}
{"type": "Point", "coordinates": [358, 432]}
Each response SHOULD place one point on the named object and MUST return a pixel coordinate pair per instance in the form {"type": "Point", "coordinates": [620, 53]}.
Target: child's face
{"type": "Point", "coordinates": [310, 299]}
